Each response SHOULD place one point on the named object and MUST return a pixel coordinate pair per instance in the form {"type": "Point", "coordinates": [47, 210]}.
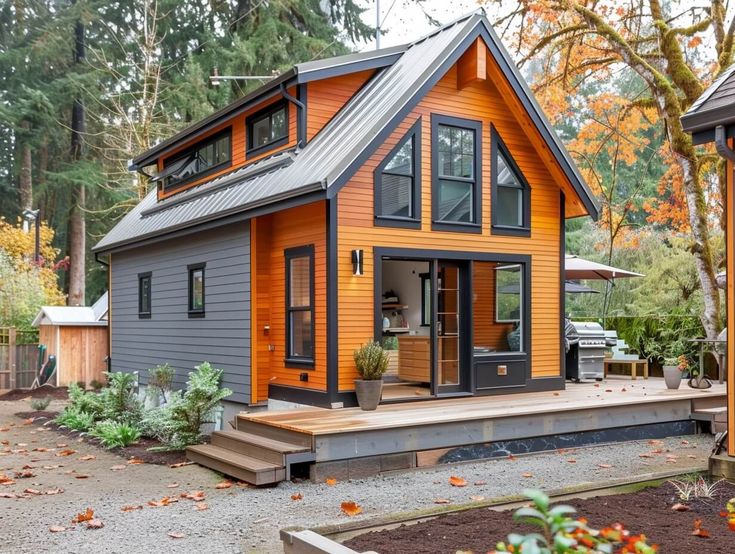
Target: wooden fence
{"type": "Point", "coordinates": [18, 358]}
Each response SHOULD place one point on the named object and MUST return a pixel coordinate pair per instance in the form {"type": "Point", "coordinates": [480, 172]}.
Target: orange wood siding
{"type": "Point", "coordinates": [485, 330]}
{"type": "Point", "coordinates": [326, 97]}
{"type": "Point", "coordinates": [239, 143]}
{"type": "Point", "coordinates": [300, 226]}
{"type": "Point", "coordinates": [80, 352]}
{"type": "Point", "coordinates": [479, 100]}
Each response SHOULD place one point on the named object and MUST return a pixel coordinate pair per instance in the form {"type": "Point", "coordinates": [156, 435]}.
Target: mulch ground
{"type": "Point", "coordinates": [647, 511]}
{"type": "Point", "coordinates": [54, 393]}
{"type": "Point", "coordinates": [139, 450]}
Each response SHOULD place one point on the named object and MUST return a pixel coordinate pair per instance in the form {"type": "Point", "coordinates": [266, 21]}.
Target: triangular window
{"type": "Point", "coordinates": [510, 193]}
{"type": "Point", "coordinates": [397, 183]}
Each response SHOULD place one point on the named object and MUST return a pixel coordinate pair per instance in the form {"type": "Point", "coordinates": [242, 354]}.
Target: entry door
{"type": "Point", "coordinates": [450, 330]}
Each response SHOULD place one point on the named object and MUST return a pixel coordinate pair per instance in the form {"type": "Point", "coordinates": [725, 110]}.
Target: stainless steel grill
{"type": "Point", "coordinates": [586, 355]}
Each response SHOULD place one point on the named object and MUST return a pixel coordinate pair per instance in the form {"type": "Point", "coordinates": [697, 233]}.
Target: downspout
{"type": "Point", "coordinates": [723, 149]}
{"type": "Point", "coordinates": [300, 116]}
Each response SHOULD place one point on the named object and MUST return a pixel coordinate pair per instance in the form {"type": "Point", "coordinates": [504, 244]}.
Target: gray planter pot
{"type": "Point", "coordinates": [672, 376]}
{"type": "Point", "coordinates": [368, 393]}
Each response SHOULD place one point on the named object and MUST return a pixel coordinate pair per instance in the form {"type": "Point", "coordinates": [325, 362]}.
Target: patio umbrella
{"type": "Point", "coordinates": [579, 268]}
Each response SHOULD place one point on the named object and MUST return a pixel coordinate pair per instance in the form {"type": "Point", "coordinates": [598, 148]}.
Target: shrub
{"type": "Point", "coordinates": [40, 404]}
{"type": "Point", "coordinates": [114, 434]}
{"type": "Point", "coordinates": [160, 379]}
{"type": "Point", "coordinates": [178, 423]}
{"type": "Point", "coordinates": [562, 534]}
{"type": "Point", "coordinates": [76, 420]}
{"type": "Point", "coordinates": [371, 361]}
{"type": "Point", "coordinates": [96, 385]}
{"type": "Point", "coordinates": [118, 399]}
{"type": "Point", "coordinates": [81, 401]}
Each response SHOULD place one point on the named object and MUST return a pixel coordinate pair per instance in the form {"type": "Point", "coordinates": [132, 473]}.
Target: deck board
{"type": "Point", "coordinates": [584, 396]}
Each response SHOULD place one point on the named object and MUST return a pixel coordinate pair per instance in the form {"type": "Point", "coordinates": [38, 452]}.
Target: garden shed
{"type": "Point", "coordinates": [78, 337]}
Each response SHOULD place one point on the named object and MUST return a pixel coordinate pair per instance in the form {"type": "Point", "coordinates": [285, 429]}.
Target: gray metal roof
{"type": "Point", "coordinates": [715, 106]}
{"type": "Point", "coordinates": [85, 316]}
{"type": "Point", "coordinates": [335, 153]}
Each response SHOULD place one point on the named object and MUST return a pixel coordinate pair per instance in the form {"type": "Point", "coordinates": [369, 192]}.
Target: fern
{"type": "Point", "coordinates": [114, 434]}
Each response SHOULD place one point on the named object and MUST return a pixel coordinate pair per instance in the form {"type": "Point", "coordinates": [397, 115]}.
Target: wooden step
{"type": "Point", "coordinates": [246, 468]}
{"type": "Point", "coordinates": [274, 432]}
{"type": "Point", "coordinates": [256, 446]}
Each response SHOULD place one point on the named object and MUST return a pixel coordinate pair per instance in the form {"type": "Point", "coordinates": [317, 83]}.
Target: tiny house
{"type": "Point", "coordinates": [414, 195]}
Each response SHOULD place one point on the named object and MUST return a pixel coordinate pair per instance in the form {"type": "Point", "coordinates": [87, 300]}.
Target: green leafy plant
{"type": "Point", "coordinates": [371, 361]}
{"type": "Point", "coordinates": [118, 399]}
{"type": "Point", "coordinates": [160, 379]}
{"type": "Point", "coordinates": [695, 487]}
{"type": "Point", "coordinates": [96, 385]}
{"type": "Point", "coordinates": [40, 404]}
{"type": "Point", "coordinates": [114, 434]}
{"type": "Point", "coordinates": [178, 423]}
{"type": "Point", "coordinates": [562, 534]}
{"type": "Point", "coordinates": [76, 420]}
{"type": "Point", "coordinates": [390, 343]}
{"type": "Point", "coordinates": [82, 401]}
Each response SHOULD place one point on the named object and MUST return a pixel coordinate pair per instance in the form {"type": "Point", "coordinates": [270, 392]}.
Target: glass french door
{"type": "Point", "coordinates": [450, 328]}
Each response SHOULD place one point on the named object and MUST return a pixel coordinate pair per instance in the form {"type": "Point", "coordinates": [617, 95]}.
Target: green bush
{"type": "Point", "coordinates": [178, 423]}
{"type": "Point", "coordinates": [119, 400]}
{"type": "Point", "coordinates": [82, 401]}
{"type": "Point", "coordinates": [114, 434]}
{"type": "Point", "coordinates": [371, 361]}
{"type": "Point", "coordinates": [76, 420]}
{"type": "Point", "coordinates": [96, 385]}
{"type": "Point", "coordinates": [40, 404]}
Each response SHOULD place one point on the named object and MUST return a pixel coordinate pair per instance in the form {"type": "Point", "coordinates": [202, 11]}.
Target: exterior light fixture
{"type": "Point", "coordinates": [357, 262]}
{"type": "Point", "coordinates": [33, 216]}
{"type": "Point", "coordinates": [214, 79]}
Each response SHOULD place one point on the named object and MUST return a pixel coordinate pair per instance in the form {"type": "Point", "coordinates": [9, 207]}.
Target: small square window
{"type": "Point", "coordinates": [144, 295]}
{"type": "Point", "coordinates": [268, 128]}
{"type": "Point", "coordinates": [196, 290]}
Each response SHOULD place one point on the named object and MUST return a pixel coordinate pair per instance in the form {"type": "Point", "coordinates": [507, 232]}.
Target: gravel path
{"type": "Point", "coordinates": [247, 519]}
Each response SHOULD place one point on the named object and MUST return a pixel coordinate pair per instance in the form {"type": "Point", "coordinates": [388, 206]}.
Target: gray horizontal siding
{"type": "Point", "coordinates": [222, 337]}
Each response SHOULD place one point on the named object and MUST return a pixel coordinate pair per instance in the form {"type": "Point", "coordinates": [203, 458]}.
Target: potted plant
{"type": "Point", "coordinates": [673, 370]}
{"type": "Point", "coordinates": [371, 361]}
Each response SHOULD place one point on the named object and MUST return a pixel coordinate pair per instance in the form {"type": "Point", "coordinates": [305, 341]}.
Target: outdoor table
{"type": "Point", "coordinates": [711, 345]}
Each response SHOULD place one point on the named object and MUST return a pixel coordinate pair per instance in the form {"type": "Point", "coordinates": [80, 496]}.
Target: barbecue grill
{"type": "Point", "coordinates": [586, 344]}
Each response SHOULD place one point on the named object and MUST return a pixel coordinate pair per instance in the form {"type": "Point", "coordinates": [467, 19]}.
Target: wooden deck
{"type": "Point", "coordinates": [613, 392]}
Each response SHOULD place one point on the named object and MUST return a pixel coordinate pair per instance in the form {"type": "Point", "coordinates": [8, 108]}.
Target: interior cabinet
{"type": "Point", "coordinates": [414, 358]}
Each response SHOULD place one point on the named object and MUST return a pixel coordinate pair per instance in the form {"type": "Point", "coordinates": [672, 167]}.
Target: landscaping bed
{"type": "Point", "coordinates": [648, 511]}
{"type": "Point", "coordinates": [54, 393]}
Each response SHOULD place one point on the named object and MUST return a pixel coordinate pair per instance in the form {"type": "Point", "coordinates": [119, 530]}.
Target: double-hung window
{"type": "Point", "coordinates": [510, 199]}
{"type": "Point", "coordinates": [398, 183]}
{"type": "Point", "coordinates": [300, 306]}
{"type": "Point", "coordinates": [144, 295]}
{"type": "Point", "coordinates": [456, 171]}
{"type": "Point", "coordinates": [267, 128]}
{"type": "Point", "coordinates": [196, 290]}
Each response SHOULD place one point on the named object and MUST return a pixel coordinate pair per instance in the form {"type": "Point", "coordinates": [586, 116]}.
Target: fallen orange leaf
{"type": "Point", "coordinates": [87, 458]}
{"type": "Point", "coordinates": [130, 508]}
{"type": "Point", "coordinates": [117, 468]}
{"type": "Point", "coordinates": [67, 452]}
{"type": "Point", "coordinates": [604, 466]}
{"type": "Point", "coordinates": [56, 528]}
{"type": "Point", "coordinates": [176, 535]}
{"type": "Point", "coordinates": [572, 461]}
{"type": "Point", "coordinates": [297, 496]}
{"type": "Point", "coordinates": [95, 524]}
{"type": "Point", "coordinates": [87, 515]}
{"type": "Point", "coordinates": [81, 476]}
{"type": "Point", "coordinates": [34, 492]}
{"type": "Point", "coordinates": [52, 492]}
{"type": "Point", "coordinates": [479, 483]}
{"type": "Point", "coordinates": [678, 507]}
{"type": "Point", "coordinates": [698, 530]}
{"type": "Point", "coordinates": [527, 475]}
{"type": "Point", "coordinates": [457, 481]}
{"type": "Point", "coordinates": [180, 464]}
{"type": "Point", "coordinates": [350, 508]}
{"type": "Point", "coordinates": [477, 498]}
{"type": "Point", "coordinates": [172, 485]}
{"type": "Point", "coordinates": [331, 481]}
{"type": "Point", "coordinates": [165, 501]}
{"type": "Point", "coordinates": [223, 485]}
{"type": "Point", "coordinates": [135, 461]}
{"type": "Point", "coordinates": [201, 506]}
{"type": "Point", "coordinates": [441, 501]}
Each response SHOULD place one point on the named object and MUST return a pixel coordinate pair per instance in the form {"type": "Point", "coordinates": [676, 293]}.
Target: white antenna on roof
{"type": "Point", "coordinates": [377, 24]}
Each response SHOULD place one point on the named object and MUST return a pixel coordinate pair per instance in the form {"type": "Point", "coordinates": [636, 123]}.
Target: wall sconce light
{"type": "Point", "coordinates": [357, 262]}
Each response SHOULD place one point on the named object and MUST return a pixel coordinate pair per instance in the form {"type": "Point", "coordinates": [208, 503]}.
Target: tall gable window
{"type": "Point", "coordinates": [456, 170]}
{"type": "Point", "coordinates": [196, 290]}
{"type": "Point", "coordinates": [510, 201]}
{"type": "Point", "coordinates": [144, 295]}
{"type": "Point", "coordinates": [204, 158]}
{"type": "Point", "coordinates": [300, 306]}
{"type": "Point", "coordinates": [268, 128]}
{"type": "Point", "coordinates": [398, 183]}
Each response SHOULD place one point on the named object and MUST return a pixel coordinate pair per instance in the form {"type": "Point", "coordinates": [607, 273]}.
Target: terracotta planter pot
{"type": "Point", "coordinates": [672, 376]}
{"type": "Point", "coordinates": [368, 393]}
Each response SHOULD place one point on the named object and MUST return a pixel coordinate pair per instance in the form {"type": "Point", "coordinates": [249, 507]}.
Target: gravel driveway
{"type": "Point", "coordinates": [246, 519]}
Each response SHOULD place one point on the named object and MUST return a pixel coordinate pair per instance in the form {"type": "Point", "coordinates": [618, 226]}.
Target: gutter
{"type": "Point", "coordinates": [723, 149]}
{"type": "Point", "coordinates": [300, 116]}
{"type": "Point", "coordinates": [100, 260]}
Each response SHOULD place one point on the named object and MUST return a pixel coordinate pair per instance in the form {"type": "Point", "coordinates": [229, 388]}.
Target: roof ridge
{"type": "Point", "coordinates": [479, 11]}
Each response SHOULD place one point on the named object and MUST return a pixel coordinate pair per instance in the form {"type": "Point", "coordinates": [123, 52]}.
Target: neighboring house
{"type": "Point", "coordinates": [415, 192]}
{"type": "Point", "coordinates": [712, 119]}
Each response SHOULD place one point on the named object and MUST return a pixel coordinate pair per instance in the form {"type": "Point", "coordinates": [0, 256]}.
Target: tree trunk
{"type": "Point", "coordinates": [77, 224]}
{"type": "Point", "coordinates": [26, 164]}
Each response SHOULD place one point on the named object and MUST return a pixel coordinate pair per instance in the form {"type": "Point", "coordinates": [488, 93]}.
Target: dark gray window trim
{"type": "Point", "coordinates": [289, 254]}
{"type": "Point", "coordinates": [198, 313]}
{"type": "Point", "coordinates": [202, 174]}
{"type": "Point", "coordinates": [497, 145]}
{"type": "Point", "coordinates": [250, 120]}
{"type": "Point", "coordinates": [414, 222]}
{"type": "Point", "coordinates": [142, 313]}
{"type": "Point", "coordinates": [476, 126]}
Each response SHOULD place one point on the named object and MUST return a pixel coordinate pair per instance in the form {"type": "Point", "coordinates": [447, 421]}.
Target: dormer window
{"type": "Point", "coordinates": [267, 128]}
{"type": "Point", "coordinates": [202, 159]}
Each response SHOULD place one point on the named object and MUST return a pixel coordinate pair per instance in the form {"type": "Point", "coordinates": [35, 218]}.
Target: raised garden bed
{"type": "Point", "coordinates": [647, 511]}
{"type": "Point", "coordinates": [139, 450]}
{"type": "Point", "coordinates": [54, 393]}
